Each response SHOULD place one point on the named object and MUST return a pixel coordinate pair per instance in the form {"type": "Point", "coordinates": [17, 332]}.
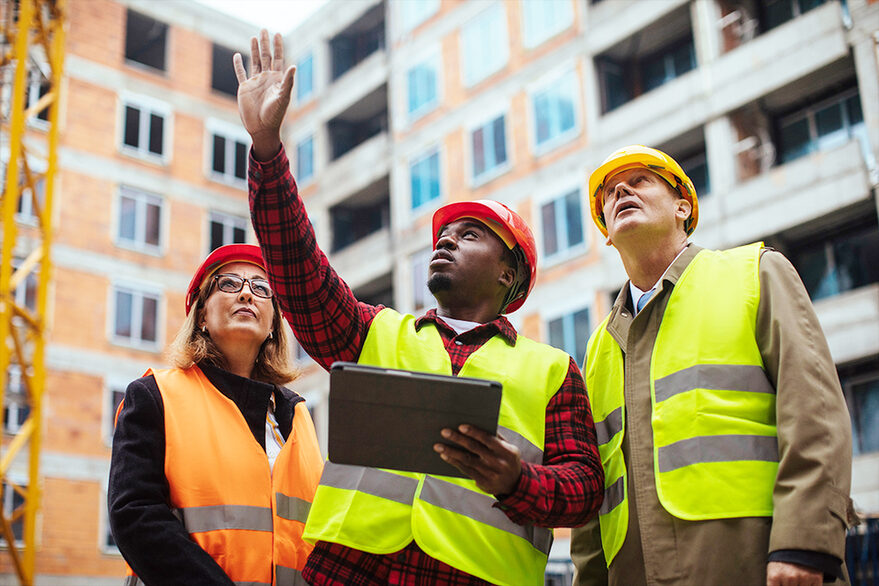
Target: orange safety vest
{"type": "Point", "coordinates": [252, 527]}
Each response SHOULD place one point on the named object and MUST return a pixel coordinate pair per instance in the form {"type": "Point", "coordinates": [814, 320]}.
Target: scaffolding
{"type": "Point", "coordinates": [31, 62]}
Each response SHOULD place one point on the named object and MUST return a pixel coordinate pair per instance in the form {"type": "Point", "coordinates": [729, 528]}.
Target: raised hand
{"type": "Point", "coordinates": [264, 96]}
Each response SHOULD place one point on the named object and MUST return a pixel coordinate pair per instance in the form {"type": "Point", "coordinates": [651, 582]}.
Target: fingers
{"type": "Point", "coordinates": [287, 84]}
{"type": "Point", "coordinates": [254, 57]}
{"type": "Point", "coordinates": [238, 65]}
{"type": "Point", "coordinates": [278, 58]}
{"type": "Point", "coordinates": [265, 52]}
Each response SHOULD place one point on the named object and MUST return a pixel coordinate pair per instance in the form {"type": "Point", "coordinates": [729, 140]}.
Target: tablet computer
{"type": "Point", "coordinates": [386, 418]}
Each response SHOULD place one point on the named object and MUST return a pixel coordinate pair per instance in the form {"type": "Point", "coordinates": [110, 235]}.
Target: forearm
{"type": "Point", "coordinates": [152, 540]}
{"type": "Point", "coordinates": [567, 489]}
{"type": "Point", "coordinates": [810, 497]}
{"type": "Point", "coordinates": [327, 319]}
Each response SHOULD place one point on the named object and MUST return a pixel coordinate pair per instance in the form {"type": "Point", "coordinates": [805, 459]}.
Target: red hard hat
{"type": "Point", "coordinates": [219, 257]}
{"type": "Point", "coordinates": [507, 224]}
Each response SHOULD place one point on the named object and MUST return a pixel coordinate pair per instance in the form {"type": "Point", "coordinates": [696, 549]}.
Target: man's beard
{"type": "Point", "coordinates": [439, 282]}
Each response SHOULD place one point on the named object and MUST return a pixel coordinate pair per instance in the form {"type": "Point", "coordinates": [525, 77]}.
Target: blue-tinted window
{"type": "Point", "coordinates": [489, 146]}
{"type": "Point", "coordinates": [485, 47]}
{"type": "Point", "coordinates": [543, 19]}
{"type": "Point", "coordinates": [425, 179]}
{"type": "Point", "coordinates": [570, 333]}
{"type": "Point", "coordinates": [305, 160]}
{"type": "Point", "coordinates": [554, 113]}
{"type": "Point", "coordinates": [422, 89]}
{"type": "Point", "coordinates": [414, 12]}
{"type": "Point", "coordinates": [822, 126]}
{"type": "Point", "coordinates": [305, 77]}
{"type": "Point", "coordinates": [562, 223]}
{"type": "Point", "coordinates": [668, 64]}
{"type": "Point", "coordinates": [862, 396]}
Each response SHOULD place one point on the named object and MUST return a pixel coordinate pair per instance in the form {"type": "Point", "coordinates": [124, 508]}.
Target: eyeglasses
{"type": "Point", "coordinates": [231, 283]}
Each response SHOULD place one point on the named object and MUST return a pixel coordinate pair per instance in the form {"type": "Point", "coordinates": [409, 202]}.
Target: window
{"type": "Point", "coordinates": [554, 112]}
{"type": "Point", "coordinates": [570, 333]}
{"type": "Point", "coordinates": [485, 46]}
{"type": "Point", "coordinates": [25, 294]}
{"type": "Point", "coordinates": [26, 211]}
{"type": "Point", "coordinates": [144, 128]}
{"type": "Point", "coordinates": [135, 317]}
{"type": "Point", "coordinates": [305, 160]}
{"type": "Point", "coordinates": [562, 223]}
{"type": "Point", "coordinates": [140, 220]}
{"type": "Point", "coordinates": [145, 40]}
{"type": "Point", "coordinates": [113, 398]}
{"type": "Point", "coordinates": [861, 389]}
{"type": "Point", "coordinates": [38, 87]}
{"type": "Point", "coordinates": [421, 85]}
{"type": "Point", "coordinates": [839, 261]}
{"type": "Point", "coordinates": [425, 179]}
{"type": "Point", "coordinates": [489, 145]}
{"type": "Point", "coordinates": [228, 153]}
{"type": "Point", "coordinates": [13, 507]}
{"type": "Point", "coordinates": [226, 229]}
{"type": "Point", "coordinates": [776, 12]}
{"type": "Point", "coordinates": [696, 168]}
{"type": "Point", "coordinates": [223, 78]}
{"type": "Point", "coordinates": [304, 78]}
{"type": "Point", "coordinates": [414, 12]}
{"type": "Point", "coordinates": [421, 295]}
{"type": "Point", "coordinates": [543, 19]}
{"type": "Point", "coordinates": [16, 408]}
{"type": "Point", "coordinates": [822, 126]}
{"type": "Point", "coordinates": [668, 64]}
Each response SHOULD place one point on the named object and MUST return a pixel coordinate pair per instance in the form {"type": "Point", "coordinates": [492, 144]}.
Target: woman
{"type": "Point", "coordinates": [214, 463]}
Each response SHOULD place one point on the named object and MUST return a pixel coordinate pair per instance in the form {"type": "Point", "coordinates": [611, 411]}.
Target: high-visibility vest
{"type": "Point", "coordinates": [248, 517]}
{"type": "Point", "coordinates": [713, 407]}
{"type": "Point", "coordinates": [451, 519]}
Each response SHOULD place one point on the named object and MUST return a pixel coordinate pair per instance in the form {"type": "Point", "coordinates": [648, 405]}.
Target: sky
{"type": "Point", "coordinates": [276, 15]}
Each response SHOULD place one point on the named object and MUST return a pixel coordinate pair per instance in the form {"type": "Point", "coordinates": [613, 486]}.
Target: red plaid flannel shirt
{"type": "Point", "coordinates": [566, 490]}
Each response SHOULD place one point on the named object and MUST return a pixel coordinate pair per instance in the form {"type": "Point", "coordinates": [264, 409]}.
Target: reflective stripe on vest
{"type": "Point", "coordinates": [260, 516]}
{"type": "Point", "coordinates": [713, 424]}
{"type": "Point", "coordinates": [289, 577]}
{"type": "Point", "coordinates": [449, 518]}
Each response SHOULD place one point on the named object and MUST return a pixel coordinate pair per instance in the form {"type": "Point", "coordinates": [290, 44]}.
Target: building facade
{"type": "Point", "coordinates": [152, 176]}
{"type": "Point", "coordinates": [772, 106]}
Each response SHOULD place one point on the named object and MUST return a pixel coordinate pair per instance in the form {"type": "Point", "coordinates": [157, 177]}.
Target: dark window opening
{"type": "Point", "coordinates": [361, 215]}
{"type": "Point", "coordinates": [145, 40]}
{"type": "Point", "coordinates": [358, 41]}
{"type": "Point", "coordinates": [223, 77]}
{"type": "Point", "coordinates": [773, 13]}
{"type": "Point", "coordinates": [359, 123]}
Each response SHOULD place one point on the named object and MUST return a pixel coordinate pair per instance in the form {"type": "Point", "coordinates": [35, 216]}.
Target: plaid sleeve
{"type": "Point", "coordinates": [327, 319]}
{"type": "Point", "coordinates": [568, 488]}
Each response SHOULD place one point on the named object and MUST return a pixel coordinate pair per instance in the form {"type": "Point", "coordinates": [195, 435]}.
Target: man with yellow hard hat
{"type": "Point", "coordinates": [721, 424]}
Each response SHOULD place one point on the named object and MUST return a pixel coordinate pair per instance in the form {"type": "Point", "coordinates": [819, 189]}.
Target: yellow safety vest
{"type": "Point", "coordinates": [715, 443]}
{"type": "Point", "coordinates": [382, 511]}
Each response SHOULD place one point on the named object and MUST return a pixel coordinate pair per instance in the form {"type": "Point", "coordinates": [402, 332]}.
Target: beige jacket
{"type": "Point", "coordinates": [814, 440]}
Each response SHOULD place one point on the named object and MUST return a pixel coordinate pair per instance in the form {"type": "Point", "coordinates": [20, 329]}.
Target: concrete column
{"type": "Point", "coordinates": [866, 57]}
{"type": "Point", "coordinates": [705, 16]}
{"type": "Point", "coordinates": [719, 152]}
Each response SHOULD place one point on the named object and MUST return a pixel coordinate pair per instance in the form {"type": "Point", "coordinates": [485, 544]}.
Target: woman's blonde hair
{"type": "Point", "coordinates": [192, 346]}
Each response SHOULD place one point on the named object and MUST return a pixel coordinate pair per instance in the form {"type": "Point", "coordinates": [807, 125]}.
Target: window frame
{"type": "Point", "coordinates": [425, 154]}
{"type": "Point", "coordinates": [407, 22]}
{"type": "Point", "coordinates": [434, 61]}
{"type": "Point", "coordinates": [112, 385]}
{"type": "Point", "coordinates": [418, 260]}
{"type": "Point", "coordinates": [299, 141]}
{"type": "Point", "coordinates": [533, 40]}
{"type": "Point", "coordinates": [847, 383]}
{"type": "Point", "coordinates": [138, 291]}
{"type": "Point", "coordinates": [139, 64]}
{"type": "Point", "coordinates": [568, 251]}
{"type": "Point", "coordinates": [23, 482]}
{"type": "Point", "coordinates": [809, 112]}
{"type": "Point", "coordinates": [141, 198]}
{"type": "Point", "coordinates": [234, 135]}
{"type": "Point", "coordinates": [566, 312]}
{"type": "Point", "coordinates": [492, 173]}
{"type": "Point", "coordinates": [229, 222]}
{"type": "Point", "coordinates": [147, 106]}
{"type": "Point", "coordinates": [14, 373]}
{"type": "Point", "coordinates": [547, 84]}
{"type": "Point", "coordinates": [104, 525]}
{"type": "Point", "coordinates": [305, 98]}
{"type": "Point", "coordinates": [469, 78]}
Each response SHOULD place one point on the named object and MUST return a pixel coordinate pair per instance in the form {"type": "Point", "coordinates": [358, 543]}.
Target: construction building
{"type": "Point", "coordinates": [772, 106]}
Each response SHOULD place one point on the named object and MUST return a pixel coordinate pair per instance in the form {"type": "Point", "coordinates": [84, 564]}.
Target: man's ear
{"type": "Point", "coordinates": [507, 276]}
{"type": "Point", "coordinates": [683, 210]}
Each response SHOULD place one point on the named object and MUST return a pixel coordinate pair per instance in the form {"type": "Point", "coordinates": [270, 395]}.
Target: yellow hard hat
{"type": "Point", "coordinates": [641, 156]}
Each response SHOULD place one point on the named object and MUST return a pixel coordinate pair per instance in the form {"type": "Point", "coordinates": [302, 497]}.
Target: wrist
{"type": "Point", "coordinates": [266, 145]}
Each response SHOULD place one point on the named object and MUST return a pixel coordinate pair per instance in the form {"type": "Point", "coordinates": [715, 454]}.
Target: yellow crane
{"type": "Point", "coordinates": [31, 52]}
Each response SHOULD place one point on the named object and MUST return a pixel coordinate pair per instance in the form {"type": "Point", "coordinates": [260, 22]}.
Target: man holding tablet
{"type": "Point", "coordinates": [542, 470]}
